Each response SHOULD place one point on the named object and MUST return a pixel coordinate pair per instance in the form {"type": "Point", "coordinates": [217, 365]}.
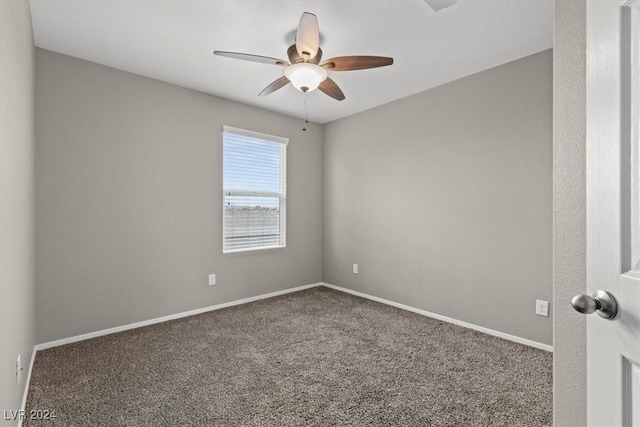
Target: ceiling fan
{"type": "Point", "coordinates": [304, 69]}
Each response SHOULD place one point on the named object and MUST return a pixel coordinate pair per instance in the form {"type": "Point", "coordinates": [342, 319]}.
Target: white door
{"type": "Point", "coordinates": [613, 210]}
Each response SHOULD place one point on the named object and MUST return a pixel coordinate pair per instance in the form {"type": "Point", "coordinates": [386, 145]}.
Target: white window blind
{"type": "Point", "coordinates": [254, 187]}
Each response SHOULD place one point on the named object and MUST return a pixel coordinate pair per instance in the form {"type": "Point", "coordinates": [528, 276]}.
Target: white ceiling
{"type": "Point", "coordinates": [173, 41]}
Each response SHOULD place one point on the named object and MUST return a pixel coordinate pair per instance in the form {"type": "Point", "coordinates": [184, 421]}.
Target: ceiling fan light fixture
{"type": "Point", "coordinates": [305, 76]}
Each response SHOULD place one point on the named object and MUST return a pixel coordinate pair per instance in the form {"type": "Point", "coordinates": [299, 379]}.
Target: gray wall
{"type": "Point", "coordinates": [444, 199]}
{"type": "Point", "coordinates": [129, 196]}
{"type": "Point", "coordinates": [569, 206]}
{"type": "Point", "coordinates": [17, 320]}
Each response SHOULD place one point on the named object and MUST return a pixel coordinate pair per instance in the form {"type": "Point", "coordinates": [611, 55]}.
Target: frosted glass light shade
{"type": "Point", "coordinates": [305, 77]}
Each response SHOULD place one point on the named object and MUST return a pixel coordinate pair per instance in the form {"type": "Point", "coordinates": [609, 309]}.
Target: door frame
{"type": "Point", "coordinates": [569, 211]}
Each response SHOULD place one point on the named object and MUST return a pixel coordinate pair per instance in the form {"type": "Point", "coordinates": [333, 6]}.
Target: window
{"type": "Point", "coordinates": [254, 186]}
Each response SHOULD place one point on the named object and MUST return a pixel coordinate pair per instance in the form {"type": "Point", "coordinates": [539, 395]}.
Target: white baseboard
{"type": "Point", "coordinates": [103, 332]}
{"type": "Point", "coordinates": [122, 328]}
{"type": "Point", "coordinates": [127, 327]}
{"type": "Point", "coordinates": [509, 337]}
{"type": "Point", "coordinates": [26, 385]}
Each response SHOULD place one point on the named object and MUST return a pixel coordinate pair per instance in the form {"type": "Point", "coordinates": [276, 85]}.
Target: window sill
{"type": "Point", "coordinates": [253, 251]}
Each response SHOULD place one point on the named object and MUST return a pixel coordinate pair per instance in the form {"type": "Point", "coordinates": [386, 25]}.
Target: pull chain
{"type": "Point", "coordinates": [306, 111]}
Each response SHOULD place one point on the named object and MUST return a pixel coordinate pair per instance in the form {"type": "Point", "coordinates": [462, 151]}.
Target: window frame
{"type": "Point", "coordinates": [282, 195]}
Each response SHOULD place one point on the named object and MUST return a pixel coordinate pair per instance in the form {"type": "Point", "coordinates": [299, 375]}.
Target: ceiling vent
{"type": "Point", "coordinates": [438, 5]}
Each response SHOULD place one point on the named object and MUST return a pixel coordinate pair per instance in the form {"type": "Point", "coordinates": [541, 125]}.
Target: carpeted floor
{"type": "Point", "coordinates": [312, 358]}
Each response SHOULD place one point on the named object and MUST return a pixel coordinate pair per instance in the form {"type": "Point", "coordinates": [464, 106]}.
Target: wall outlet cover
{"type": "Point", "coordinates": [18, 368]}
{"type": "Point", "coordinates": [542, 308]}
{"type": "Point", "coordinates": [212, 279]}
{"type": "Point", "coordinates": [355, 268]}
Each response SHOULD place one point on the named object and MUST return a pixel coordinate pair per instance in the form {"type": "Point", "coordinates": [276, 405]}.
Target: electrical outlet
{"type": "Point", "coordinates": [355, 268]}
{"type": "Point", "coordinates": [212, 279]}
{"type": "Point", "coordinates": [542, 308]}
{"type": "Point", "coordinates": [18, 369]}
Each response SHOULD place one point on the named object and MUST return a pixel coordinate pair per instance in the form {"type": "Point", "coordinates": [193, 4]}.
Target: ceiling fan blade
{"type": "Point", "coordinates": [308, 36]}
{"type": "Point", "coordinates": [282, 81]}
{"type": "Point", "coordinates": [331, 88]}
{"type": "Point", "coordinates": [252, 58]}
{"type": "Point", "coordinates": [293, 55]}
{"type": "Point", "coordinates": [349, 63]}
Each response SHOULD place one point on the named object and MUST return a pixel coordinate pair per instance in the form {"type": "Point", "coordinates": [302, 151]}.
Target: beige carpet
{"type": "Point", "coordinates": [313, 358]}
